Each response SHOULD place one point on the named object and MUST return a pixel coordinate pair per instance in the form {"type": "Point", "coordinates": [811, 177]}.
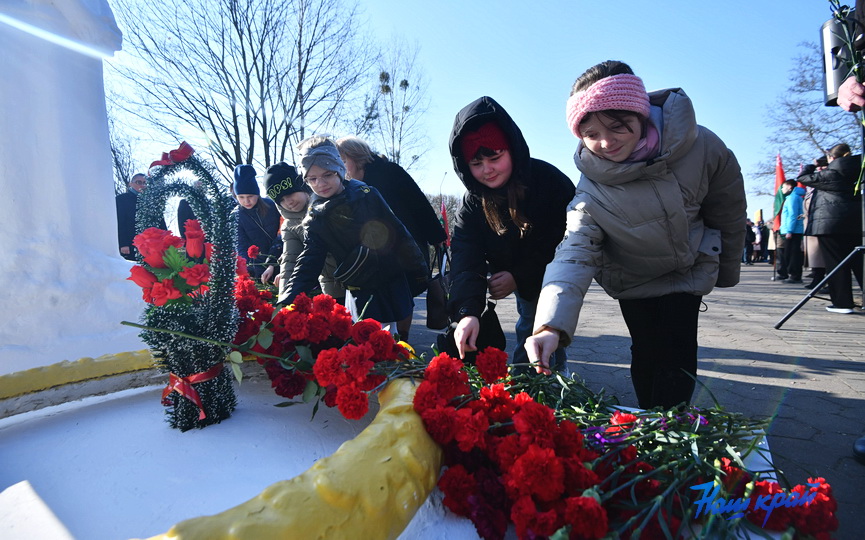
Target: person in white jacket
{"type": "Point", "coordinates": [658, 220]}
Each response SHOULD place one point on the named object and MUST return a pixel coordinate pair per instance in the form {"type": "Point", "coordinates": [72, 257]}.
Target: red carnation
{"type": "Point", "coordinates": [194, 238]}
{"type": "Point", "coordinates": [357, 360]}
{"type": "Point", "coordinates": [195, 276]}
{"type": "Point", "coordinates": [818, 516]}
{"type": "Point", "coordinates": [253, 252]}
{"type": "Point", "coordinates": [471, 430]}
{"type": "Point", "coordinates": [294, 323]}
{"type": "Point", "coordinates": [447, 373]}
{"type": "Point", "coordinates": [323, 303]}
{"type": "Point", "coordinates": [506, 450]}
{"type": "Point", "coordinates": [340, 324]}
{"type": "Point", "coordinates": [735, 479]}
{"type": "Point", "coordinates": [328, 369]}
{"type": "Point", "coordinates": [361, 330]}
{"type": "Point", "coordinates": [621, 422]}
{"type": "Point", "coordinates": [458, 485]}
{"type": "Point", "coordinates": [352, 402]}
{"type": "Point", "coordinates": [164, 291]}
{"type": "Point", "coordinates": [317, 328]}
{"type": "Point", "coordinates": [241, 267]}
{"type": "Point", "coordinates": [427, 396]}
{"type": "Point", "coordinates": [330, 396]}
{"type": "Point", "coordinates": [779, 519]}
{"type": "Point", "coordinates": [492, 364]}
{"type": "Point", "coordinates": [586, 515]}
{"type": "Point", "coordinates": [142, 277]}
{"type": "Point", "coordinates": [382, 343]}
{"type": "Point", "coordinates": [302, 303]}
{"type": "Point", "coordinates": [285, 383]}
{"type": "Point", "coordinates": [536, 424]}
{"type": "Point", "coordinates": [538, 472]}
{"type": "Point", "coordinates": [440, 423]}
{"type": "Point", "coordinates": [498, 403]}
{"type": "Point", "coordinates": [577, 476]}
{"type": "Point", "coordinates": [568, 439]}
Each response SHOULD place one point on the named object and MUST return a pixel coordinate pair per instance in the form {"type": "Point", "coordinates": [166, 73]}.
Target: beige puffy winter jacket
{"type": "Point", "coordinates": [647, 229]}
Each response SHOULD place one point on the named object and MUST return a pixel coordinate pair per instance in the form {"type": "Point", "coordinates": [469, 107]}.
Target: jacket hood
{"type": "Point", "coordinates": [481, 111]}
{"type": "Point", "coordinates": [673, 115]}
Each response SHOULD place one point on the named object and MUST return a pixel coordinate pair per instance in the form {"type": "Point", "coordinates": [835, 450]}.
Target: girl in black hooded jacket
{"type": "Point", "coordinates": [511, 219]}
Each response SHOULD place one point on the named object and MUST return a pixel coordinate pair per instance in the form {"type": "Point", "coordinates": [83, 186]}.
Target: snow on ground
{"type": "Point", "coordinates": [110, 467]}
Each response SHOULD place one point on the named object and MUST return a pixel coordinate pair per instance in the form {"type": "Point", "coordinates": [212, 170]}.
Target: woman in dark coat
{"type": "Point", "coordinates": [835, 217]}
{"type": "Point", "coordinates": [401, 193]}
{"type": "Point", "coordinates": [510, 221]}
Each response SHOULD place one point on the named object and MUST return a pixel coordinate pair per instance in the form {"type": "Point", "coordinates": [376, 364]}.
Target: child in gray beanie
{"type": "Point", "coordinates": [377, 260]}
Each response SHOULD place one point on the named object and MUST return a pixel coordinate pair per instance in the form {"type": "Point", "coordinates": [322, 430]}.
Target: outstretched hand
{"type": "Point", "coordinates": [540, 347]}
{"type": "Point", "coordinates": [466, 335]}
{"type": "Point", "coordinates": [851, 95]}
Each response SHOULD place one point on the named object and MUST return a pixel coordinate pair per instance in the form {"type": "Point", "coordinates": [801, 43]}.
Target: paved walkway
{"type": "Point", "coordinates": [808, 375]}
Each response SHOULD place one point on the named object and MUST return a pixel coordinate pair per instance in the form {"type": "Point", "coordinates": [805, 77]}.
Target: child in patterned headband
{"type": "Point", "coordinates": [658, 221]}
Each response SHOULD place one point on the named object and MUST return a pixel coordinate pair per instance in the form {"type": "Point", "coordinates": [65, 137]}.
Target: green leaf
{"type": "Point", "coordinates": [235, 357]}
{"type": "Point", "coordinates": [265, 338]}
{"type": "Point", "coordinates": [174, 260]}
{"type": "Point", "coordinates": [163, 273]}
{"type": "Point", "coordinates": [562, 534]}
{"type": "Point", "coordinates": [238, 374]}
{"type": "Point", "coordinates": [248, 344]}
{"type": "Point", "coordinates": [310, 391]}
{"type": "Point", "coordinates": [305, 354]}
{"type": "Point", "coordinates": [286, 404]}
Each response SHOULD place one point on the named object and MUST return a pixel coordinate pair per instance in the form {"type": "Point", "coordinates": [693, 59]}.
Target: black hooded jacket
{"type": "Point", "coordinates": [357, 217]}
{"type": "Point", "coordinates": [834, 209]}
{"type": "Point", "coordinates": [477, 249]}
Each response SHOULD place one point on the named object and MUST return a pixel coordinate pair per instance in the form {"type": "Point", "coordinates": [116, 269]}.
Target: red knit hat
{"type": "Point", "coordinates": [489, 135]}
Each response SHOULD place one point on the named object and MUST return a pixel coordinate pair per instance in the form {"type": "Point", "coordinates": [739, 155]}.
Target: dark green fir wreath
{"type": "Point", "coordinates": [212, 315]}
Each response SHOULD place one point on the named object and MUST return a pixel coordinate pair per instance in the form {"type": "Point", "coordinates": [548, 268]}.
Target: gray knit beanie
{"type": "Point", "coordinates": [326, 156]}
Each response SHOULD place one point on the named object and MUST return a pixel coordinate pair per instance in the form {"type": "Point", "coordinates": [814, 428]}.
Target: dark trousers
{"type": "Point", "coordinates": [664, 348]}
{"type": "Point", "coordinates": [793, 257]}
{"type": "Point", "coordinates": [835, 248]}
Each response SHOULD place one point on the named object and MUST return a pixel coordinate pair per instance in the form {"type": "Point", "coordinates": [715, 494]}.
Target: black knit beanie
{"type": "Point", "coordinates": [281, 180]}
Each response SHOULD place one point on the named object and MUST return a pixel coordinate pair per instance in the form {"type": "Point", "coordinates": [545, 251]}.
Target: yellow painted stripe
{"type": "Point", "coordinates": [66, 372]}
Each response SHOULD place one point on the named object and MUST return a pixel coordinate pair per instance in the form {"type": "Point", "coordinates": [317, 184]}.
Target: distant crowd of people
{"type": "Point", "coordinates": [819, 223]}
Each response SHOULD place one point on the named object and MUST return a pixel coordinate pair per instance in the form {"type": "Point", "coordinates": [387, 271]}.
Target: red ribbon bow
{"type": "Point", "coordinates": [175, 156]}
{"type": "Point", "coordinates": [183, 386]}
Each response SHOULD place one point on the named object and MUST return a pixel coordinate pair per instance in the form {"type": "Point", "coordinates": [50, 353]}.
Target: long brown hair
{"type": "Point", "coordinates": [494, 201]}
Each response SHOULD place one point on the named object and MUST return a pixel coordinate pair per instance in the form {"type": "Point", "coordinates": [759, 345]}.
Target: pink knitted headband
{"type": "Point", "coordinates": [618, 92]}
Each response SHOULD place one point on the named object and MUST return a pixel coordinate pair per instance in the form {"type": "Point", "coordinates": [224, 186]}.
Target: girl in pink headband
{"type": "Point", "coordinates": [658, 221]}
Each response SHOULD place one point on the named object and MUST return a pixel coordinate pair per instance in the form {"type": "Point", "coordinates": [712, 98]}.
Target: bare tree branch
{"type": "Point", "coordinates": [803, 127]}
{"type": "Point", "coordinates": [247, 79]}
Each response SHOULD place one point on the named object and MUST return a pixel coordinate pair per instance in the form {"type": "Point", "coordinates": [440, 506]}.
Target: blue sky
{"type": "Point", "coordinates": [732, 58]}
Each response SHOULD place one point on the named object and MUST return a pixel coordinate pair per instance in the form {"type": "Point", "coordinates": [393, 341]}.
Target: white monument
{"type": "Point", "coordinates": [63, 291]}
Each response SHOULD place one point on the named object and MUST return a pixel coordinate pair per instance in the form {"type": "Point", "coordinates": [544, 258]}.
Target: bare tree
{"type": "Point", "coordinates": [248, 79]}
{"type": "Point", "coordinates": [451, 203]}
{"type": "Point", "coordinates": [394, 110]}
{"type": "Point", "coordinates": [803, 127]}
{"type": "Point", "coordinates": [124, 164]}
